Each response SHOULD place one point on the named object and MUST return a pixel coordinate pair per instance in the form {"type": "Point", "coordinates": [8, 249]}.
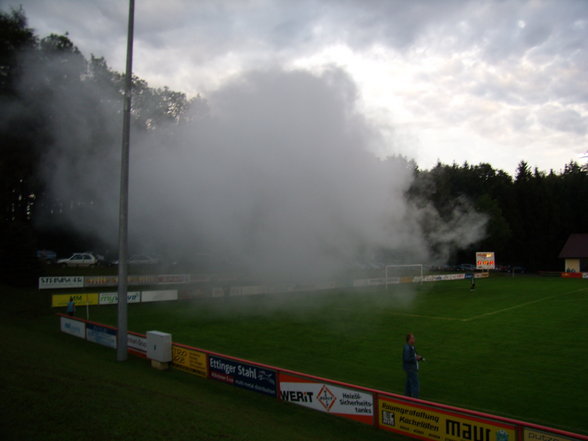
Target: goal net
{"type": "Point", "coordinates": [406, 273]}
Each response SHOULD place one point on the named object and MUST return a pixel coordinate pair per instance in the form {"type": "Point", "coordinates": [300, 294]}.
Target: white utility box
{"type": "Point", "coordinates": [159, 346]}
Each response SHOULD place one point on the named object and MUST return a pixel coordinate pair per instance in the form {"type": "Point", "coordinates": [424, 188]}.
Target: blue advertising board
{"type": "Point", "coordinates": [100, 334]}
{"type": "Point", "coordinates": [244, 375]}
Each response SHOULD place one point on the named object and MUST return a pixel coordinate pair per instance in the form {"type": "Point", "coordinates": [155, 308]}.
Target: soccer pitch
{"type": "Point", "coordinates": [515, 347]}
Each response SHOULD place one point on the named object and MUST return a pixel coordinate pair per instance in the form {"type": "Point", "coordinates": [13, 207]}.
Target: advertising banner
{"type": "Point", "coordinates": [73, 327]}
{"type": "Point", "coordinates": [61, 282]}
{"type": "Point", "coordinates": [536, 435]}
{"type": "Point", "coordinates": [161, 279]}
{"type": "Point", "coordinates": [159, 296]}
{"type": "Point", "coordinates": [189, 360]}
{"type": "Point", "coordinates": [485, 260]}
{"type": "Point", "coordinates": [574, 275]}
{"type": "Point", "coordinates": [443, 277]}
{"type": "Point", "coordinates": [218, 292]}
{"type": "Point", "coordinates": [432, 424]}
{"type": "Point", "coordinates": [244, 375]}
{"type": "Point", "coordinates": [111, 298]}
{"type": "Point", "coordinates": [101, 334]}
{"type": "Point", "coordinates": [254, 290]}
{"type": "Point", "coordinates": [348, 403]}
{"type": "Point", "coordinates": [137, 344]}
{"type": "Point", "coordinates": [101, 281]}
{"type": "Point", "coordinates": [360, 283]}
{"type": "Point", "coordinates": [60, 300]}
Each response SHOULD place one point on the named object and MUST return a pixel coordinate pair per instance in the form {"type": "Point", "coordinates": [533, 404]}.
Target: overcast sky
{"type": "Point", "coordinates": [448, 80]}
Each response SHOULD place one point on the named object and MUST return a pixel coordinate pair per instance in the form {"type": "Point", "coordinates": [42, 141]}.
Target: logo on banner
{"type": "Point", "coordinates": [326, 398]}
{"type": "Point", "coordinates": [501, 435]}
{"type": "Point", "coordinates": [388, 418]}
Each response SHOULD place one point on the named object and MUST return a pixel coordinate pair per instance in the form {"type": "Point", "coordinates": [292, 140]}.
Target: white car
{"type": "Point", "coordinates": [79, 259]}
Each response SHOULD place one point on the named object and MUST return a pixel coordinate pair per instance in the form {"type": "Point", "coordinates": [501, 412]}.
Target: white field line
{"type": "Point", "coordinates": [521, 305]}
{"type": "Point", "coordinates": [475, 317]}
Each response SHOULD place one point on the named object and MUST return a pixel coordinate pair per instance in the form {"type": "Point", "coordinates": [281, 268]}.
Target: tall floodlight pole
{"type": "Point", "coordinates": [121, 347]}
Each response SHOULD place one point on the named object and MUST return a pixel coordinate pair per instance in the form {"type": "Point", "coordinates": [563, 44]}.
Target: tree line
{"type": "Point", "coordinates": [529, 216]}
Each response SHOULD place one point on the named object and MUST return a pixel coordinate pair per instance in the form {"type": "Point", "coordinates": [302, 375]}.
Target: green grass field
{"type": "Point", "coordinates": [58, 387]}
{"type": "Point", "coordinates": [513, 347]}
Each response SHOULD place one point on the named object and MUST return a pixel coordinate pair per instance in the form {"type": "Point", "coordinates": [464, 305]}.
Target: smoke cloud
{"type": "Point", "coordinates": [278, 174]}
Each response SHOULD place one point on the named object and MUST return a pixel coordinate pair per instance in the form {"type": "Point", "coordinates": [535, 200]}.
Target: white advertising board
{"type": "Point", "coordinates": [359, 283]}
{"type": "Point", "coordinates": [159, 296]}
{"type": "Point", "coordinates": [443, 277]}
{"type": "Point", "coordinates": [349, 403]}
{"type": "Point", "coordinates": [254, 290]}
{"type": "Point", "coordinates": [61, 282]}
{"type": "Point", "coordinates": [137, 343]}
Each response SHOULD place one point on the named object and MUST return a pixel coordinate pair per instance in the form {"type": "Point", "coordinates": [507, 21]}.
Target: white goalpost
{"type": "Point", "coordinates": [394, 273]}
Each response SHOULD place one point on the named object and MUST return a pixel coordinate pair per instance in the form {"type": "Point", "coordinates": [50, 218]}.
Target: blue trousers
{"type": "Point", "coordinates": [412, 387]}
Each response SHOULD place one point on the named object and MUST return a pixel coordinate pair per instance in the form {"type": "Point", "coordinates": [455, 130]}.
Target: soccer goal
{"type": "Point", "coordinates": [406, 273]}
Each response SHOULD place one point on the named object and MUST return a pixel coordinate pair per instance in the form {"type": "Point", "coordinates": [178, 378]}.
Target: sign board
{"type": "Point", "coordinates": [101, 334]}
{"type": "Point", "coordinates": [159, 296]}
{"type": "Point", "coordinates": [61, 282]}
{"type": "Point", "coordinates": [349, 403]}
{"type": "Point", "coordinates": [429, 423]}
{"type": "Point", "coordinates": [59, 300]}
{"type": "Point", "coordinates": [189, 360]}
{"type": "Point", "coordinates": [485, 260]}
{"type": "Point", "coordinates": [137, 344]}
{"type": "Point", "coordinates": [359, 283]}
{"type": "Point", "coordinates": [244, 375]}
{"type": "Point", "coordinates": [73, 327]}
{"type": "Point", "coordinates": [536, 435]}
{"type": "Point", "coordinates": [161, 279]}
{"type": "Point", "coordinates": [111, 298]}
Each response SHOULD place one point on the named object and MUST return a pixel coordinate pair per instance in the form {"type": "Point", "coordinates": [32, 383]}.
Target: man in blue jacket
{"type": "Point", "coordinates": [410, 363]}
{"type": "Point", "coordinates": [71, 307]}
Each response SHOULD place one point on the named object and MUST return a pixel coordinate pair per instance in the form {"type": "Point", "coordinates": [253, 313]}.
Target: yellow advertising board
{"type": "Point", "coordinates": [60, 300]}
{"type": "Point", "coordinates": [189, 360]}
{"type": "Point", "coordinates": [429, 423]}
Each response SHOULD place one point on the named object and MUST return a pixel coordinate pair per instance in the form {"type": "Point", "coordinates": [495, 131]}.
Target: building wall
{"type": "Point", "coordinates": [572, 266]}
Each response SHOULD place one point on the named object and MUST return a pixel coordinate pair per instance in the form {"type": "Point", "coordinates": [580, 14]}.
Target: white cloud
{"type": "Point", "coordinates": [442, 76]}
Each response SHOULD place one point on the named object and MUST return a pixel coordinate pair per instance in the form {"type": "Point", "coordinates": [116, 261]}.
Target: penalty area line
{"type": "Point", "coordinates": [521, 305]}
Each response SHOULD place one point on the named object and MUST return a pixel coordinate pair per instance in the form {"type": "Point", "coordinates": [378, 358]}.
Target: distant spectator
{"type": "Point", "coordinates": [410, 363]}
{"type": "Point", "coordinates": [71, 307]}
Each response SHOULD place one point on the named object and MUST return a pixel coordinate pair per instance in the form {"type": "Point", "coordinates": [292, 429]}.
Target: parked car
{"type": "Point", "coordinates": [99, 257]}
{"type": "Point", "coordinates": [46, 256]}
{"type": "Point", "coordinates": [79, 259]}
